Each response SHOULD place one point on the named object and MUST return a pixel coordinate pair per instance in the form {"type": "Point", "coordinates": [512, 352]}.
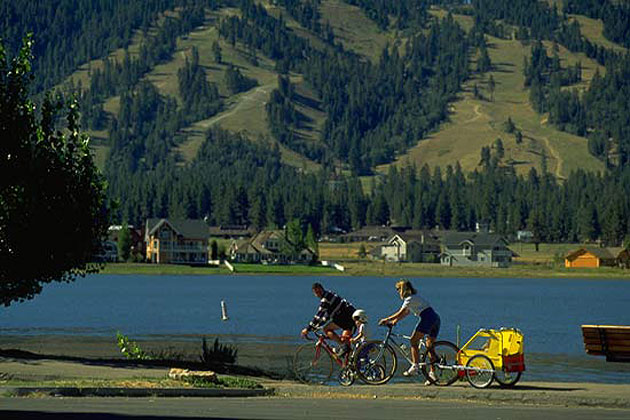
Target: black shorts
{"type": "Point", "coordinates": [429, 323]}
{"type": "Point", "coordinates": [343, 317]}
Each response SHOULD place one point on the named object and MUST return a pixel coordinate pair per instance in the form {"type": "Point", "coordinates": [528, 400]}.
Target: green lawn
{"type": "Point", "coordinates": [174, 269]}
{"type": "Point", "coordinates": [223, 381]}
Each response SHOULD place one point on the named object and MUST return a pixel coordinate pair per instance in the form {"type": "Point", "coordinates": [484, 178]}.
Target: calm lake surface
{"type": "Point", "coordinates": [268, 308]}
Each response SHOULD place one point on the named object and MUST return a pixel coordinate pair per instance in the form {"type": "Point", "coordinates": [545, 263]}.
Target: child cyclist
{"type": "Point", "coordinates": [428, 324]}
{"type": "Point", "coordinates": [360, 320]}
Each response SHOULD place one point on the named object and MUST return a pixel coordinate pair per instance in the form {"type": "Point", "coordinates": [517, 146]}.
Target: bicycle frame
{"type": "Point", "coordinates": [390, 338]}
{"type": "Point", "coordinates": [323, 343]}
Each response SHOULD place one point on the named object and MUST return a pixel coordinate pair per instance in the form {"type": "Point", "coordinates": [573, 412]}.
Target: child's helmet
{"type": "Point", "coordinates": [360, 315]}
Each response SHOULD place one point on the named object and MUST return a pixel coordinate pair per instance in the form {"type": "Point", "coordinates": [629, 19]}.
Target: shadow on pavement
{"type": "Point", "coordinates": [545, 388]}
{"type": "Point", "coordinates": [5, 415]}
{"type": "Point", "coordinates": [29, 357]}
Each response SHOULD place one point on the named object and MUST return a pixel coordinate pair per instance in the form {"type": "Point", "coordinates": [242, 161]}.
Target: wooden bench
{"type": "Point", "coordinates": [612, 341]}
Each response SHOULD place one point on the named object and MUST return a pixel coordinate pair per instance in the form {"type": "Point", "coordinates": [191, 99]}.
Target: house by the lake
{"type": "Point", "coordinates": [411, 246]}
{"type": "Point", "coordinates": [231, 232]}
{"type": "Point", "coordinates": [369, 234]}
{"type": "Point", "coordinates": [269, 247]}
{"type": "Point", "coordinates": [171, 241]}
{"type": "Point", "coordinates": [475, 249]}
{"type": "Point", "coordinates": [594, 257]}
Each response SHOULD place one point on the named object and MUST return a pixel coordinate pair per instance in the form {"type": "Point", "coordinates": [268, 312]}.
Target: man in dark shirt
{"type": "Point", "coordinates": [335, 309]}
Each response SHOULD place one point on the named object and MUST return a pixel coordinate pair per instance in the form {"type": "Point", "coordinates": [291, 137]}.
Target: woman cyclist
{"type": "Point", "coordinates": [428, 324]}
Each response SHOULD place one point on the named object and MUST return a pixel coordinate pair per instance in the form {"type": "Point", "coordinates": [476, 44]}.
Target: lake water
{"type": "Point", "coordinates": [548, 312]}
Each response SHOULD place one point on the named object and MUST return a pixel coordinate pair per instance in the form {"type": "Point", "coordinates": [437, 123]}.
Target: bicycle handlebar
{"type": "Point", "coordinates": [315, 333]}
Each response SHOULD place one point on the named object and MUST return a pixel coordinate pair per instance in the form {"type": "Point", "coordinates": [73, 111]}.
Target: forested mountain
{"type": "Point", "coordinates": [374, 109]}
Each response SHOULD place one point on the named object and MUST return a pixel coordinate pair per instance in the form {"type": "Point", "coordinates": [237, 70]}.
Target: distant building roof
{"type": "Point", "coordinates": [480, 239]}
{"type": "Point", "coordinates": [188, 228]}
{"type": "Point", "coordinates": [377, 232]}
{"type": "Point", "coordinates": [601, 253]}
{"type": "Point", "coordinates": [231, 231]}
{"type": "Point", "coordinates": [422, 236]}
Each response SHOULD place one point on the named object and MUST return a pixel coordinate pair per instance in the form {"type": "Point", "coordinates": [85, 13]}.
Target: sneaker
{"type": "Point", "coordinates": [433, 379]}
{"type": "Point", "coordinates": [412, 371]}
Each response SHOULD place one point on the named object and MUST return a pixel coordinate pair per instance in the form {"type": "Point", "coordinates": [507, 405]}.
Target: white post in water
{"type": "Point", "coordinates": [224, 316]}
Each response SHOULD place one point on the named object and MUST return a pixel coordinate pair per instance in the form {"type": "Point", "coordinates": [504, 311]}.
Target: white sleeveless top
{"type": "Point", "coordinates": [416, 304]}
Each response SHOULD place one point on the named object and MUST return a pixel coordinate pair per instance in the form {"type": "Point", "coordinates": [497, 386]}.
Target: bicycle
{"type": "Point", "coordinates": [313, 363]}
{"type": "Point", "coordinates": [381, 353]}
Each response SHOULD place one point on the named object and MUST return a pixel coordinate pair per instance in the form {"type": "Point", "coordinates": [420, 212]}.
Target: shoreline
{"type": "Point", "coordinates": [274, 355]}
{"type": "Point", "coordinates": [376, 269]}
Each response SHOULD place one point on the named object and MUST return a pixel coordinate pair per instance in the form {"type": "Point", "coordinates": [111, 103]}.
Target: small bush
{"type": "Point", "coordinates": [130, 349]}
{"type": "Point", "coordinates": [219, 354]}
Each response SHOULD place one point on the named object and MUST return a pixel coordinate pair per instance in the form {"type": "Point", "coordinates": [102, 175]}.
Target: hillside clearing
{"type": "Point", "coordinates": [476, 123]}
{"type": "Point", "coordinates": [354, 30]}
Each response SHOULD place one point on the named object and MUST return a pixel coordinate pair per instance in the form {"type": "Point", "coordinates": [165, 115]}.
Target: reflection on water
{"type": "Point", "coordinates": [272, 310]}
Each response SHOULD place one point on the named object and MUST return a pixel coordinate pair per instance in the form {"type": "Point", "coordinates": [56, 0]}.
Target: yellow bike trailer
{"type": "Point", "coordinates": [493, 355]}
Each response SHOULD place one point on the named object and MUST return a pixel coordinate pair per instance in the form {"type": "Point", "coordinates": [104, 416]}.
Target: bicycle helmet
{"type": "Point", "coordinates": [360, 315]}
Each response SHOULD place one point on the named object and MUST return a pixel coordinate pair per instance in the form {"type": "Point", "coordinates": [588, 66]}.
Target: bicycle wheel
{"type": "Point", "coordinates": [445, 367]}
{"type": "Point", "coordinates": [346, 376]}
{"type": "Point", "coordinates": [375, 373]}
{"type": "Point", "coordinates": [507, 379]}
{"type": "Point", "coordinates": [312, 364]}
{"type": "Point", "coordinates": [480, 371]}
{"type": "Point", "coordinates": [375, 362]}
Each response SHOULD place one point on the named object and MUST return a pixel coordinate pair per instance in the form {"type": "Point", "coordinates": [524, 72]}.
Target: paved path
{"type": "Point", "coordinates": [293, 408]}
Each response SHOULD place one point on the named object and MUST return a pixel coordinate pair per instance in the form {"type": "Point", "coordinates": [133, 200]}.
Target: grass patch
{"type": "Point", "coordinates": [528, 265]}
{"type": "Point", "coordinates": [524, 271]}
{"type": "Point", "coordinates": [282, 269]}
{"type": "Point", "coordinates": [354, 30]}
{"type": "Point", "coordinates": [222, 382]}
{"type": "Point", "coordinates": [172, 269]}
{"type": "Point", "coordinates": [347, 251]}
{"type": "Point", "coordinates": [476, 123]}
{"type": "Point", "coordinates": [593, 30]}
{"type": "Point", "coordinates": [161, 269]}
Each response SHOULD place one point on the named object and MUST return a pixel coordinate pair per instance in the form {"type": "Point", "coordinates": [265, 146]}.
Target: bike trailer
{"type": "Point", "coordinates": [513, 354]}
{"type": "Point", "coordinates": [504, 347]}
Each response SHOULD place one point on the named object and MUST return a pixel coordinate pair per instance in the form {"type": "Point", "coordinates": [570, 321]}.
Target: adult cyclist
{"type": "Point", "coordinates": [333, 313]}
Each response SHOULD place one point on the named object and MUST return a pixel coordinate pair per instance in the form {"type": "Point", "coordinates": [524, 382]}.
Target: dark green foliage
{"type": "Point", "coordinates": [52, 198]}
{"type": "Point", "coordinates": [373, 111]}
{"type": "Point", "coordinates": [236, 82]}
{"type": "Point", "coordinates": [218, 354]}
{"type": "Point", "coordinates": [72, 32]}
{"type": "Point", "coordinates": [124, 243]}
{"type": "Point", "coordinates": [214, 250]}
{"type": "Point", "coordinates": [216, 50]}
{"type": "Point", "coordinates": [284, 119]}
{"type": "Point", "coordinates": [405, 13]}
{"type": "Point", "coordinates": [539, 18]}
{"type": "Point", "coordinates": [614, 14]}
{"type": "Point", "coordinates": [483, 62]}
{"type": "Point", "coordinates": [295, 238]}
{"type": "Point", "coordinates": [200, 98]}
{"type": "Point", "coordinates": [509, 126]}
{"type": "Point", "coordinates": [306, 12]}
{"type": "Point", "coordinates": [601, 113]}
